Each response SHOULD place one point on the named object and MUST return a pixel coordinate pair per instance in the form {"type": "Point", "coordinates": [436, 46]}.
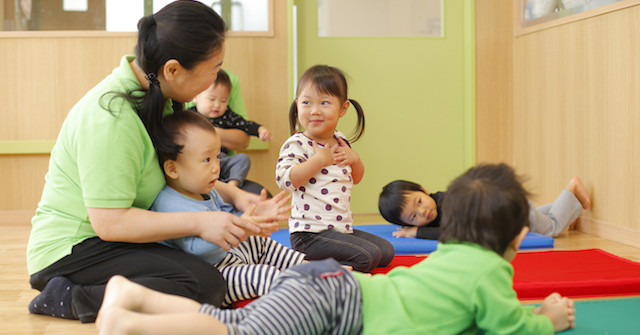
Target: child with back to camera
{"type": "Point", "coordinates": [464, 287]}
{"type": "Point", "coordinates": [188, 155]}
{"type": "Point", "coordinates": [320, 168]}
{"type": "Point", "coordinates": [214, 104]}
{"type": "Point", "coordinates": [409, 205]}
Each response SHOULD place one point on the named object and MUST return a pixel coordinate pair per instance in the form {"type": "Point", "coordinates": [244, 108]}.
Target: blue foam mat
{"type": "Point", "coordinates": [413, 246]}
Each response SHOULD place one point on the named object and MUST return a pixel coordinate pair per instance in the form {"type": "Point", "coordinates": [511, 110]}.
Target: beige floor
{"type": "Point", "coordinates": [15, 292]}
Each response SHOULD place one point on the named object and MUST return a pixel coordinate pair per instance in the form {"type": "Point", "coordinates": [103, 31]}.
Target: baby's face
{"type": "Point", "coordinates": [419, 209]}
{"type": "Point", "coordinates": [198, 164]}
{"type": "Point", "coordinates": [213, 101]}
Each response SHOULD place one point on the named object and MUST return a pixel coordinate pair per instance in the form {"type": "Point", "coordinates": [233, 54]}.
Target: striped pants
{"type": "Point", "coordinates": [251, 267]}
{"type": "Point", "coordinates": [319, 297]}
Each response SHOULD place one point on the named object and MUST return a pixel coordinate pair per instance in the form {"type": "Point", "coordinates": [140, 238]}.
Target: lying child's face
{"type": "Point", "coordinates": [419, 209]}
{"type": "Point", "coordinates": [198, 164]}
{"type": "Point", "coordinates": [213, 101]}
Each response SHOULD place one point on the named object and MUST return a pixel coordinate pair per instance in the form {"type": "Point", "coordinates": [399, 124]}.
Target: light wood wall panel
{"type": "Point", "coordinates": [494, 81]}
{"type": "Point", "coordinates": [575, 102]}
{"type": "Point", "coordinates": [576, 111]}
{"type": "Point", "coordinates": [262, 63]}
{"type": "Point", "coordinates": [46, 73]}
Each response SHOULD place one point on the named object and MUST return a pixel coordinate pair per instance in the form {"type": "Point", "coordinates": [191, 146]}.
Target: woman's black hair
{"type": "Point", "coordinates": [392, 199]}
{"type": "Point", "coordinates": [487, 205]}
{"type": "Point", "coordinates": [185, 30]}
{"type": "Point", "coordinates": [329, 80]}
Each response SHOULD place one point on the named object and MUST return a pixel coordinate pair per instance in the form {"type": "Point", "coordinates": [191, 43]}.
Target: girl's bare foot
{"type": "Point", "coordinates": [576, 187]}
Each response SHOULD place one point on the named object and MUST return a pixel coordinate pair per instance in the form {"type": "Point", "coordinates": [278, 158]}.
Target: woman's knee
{"type": "Point", "coordinates": [212, 286]}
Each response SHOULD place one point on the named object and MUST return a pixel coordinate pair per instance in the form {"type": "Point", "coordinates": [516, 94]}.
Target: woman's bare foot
{"type": "Point", "coordinates": [576, 187]}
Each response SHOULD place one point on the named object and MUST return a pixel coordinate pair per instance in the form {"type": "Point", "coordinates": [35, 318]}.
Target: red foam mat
{"type": "Point", "coordinates": [575, 273]}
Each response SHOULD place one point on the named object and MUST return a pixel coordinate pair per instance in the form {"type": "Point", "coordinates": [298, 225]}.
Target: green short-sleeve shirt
{"type": "Point", "coordinates": [103, 158]}
{"type": "Point", "coordinates": [459, 289]}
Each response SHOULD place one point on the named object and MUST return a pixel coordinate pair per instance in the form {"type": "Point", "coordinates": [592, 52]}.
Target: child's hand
{"type": "Point", "coordinates": [265, 223]}
{"type": "Point", "coordinates": [406, 232]}
{"type": "Point", "coordinates": [264, 134]}
{"type": "Point", "coordinates": [559, 310]}
{"type": "Point", "coordinates": [343, 154]}
{"type": "Point", "coordinates": [323, 154]}
{"type": "Point", "coordinates": [276, 207]}
{"type": "Point", "coordinates": [265, 213]}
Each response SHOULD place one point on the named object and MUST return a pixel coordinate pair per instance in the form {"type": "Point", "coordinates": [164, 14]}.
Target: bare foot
{"type": "Point", "coordinates": [114, 320]}
{"type": "Point", "coordinates": [120, 293]}
{"type": "Point", "coordinates": [573, 225]}
{"type": "Point", "coordinates": [576, 187]}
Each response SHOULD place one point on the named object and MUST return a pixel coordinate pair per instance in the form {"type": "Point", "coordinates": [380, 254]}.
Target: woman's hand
{"type": "Point", "coordinates": [135, 225]}
{"type": "Point", "coordinates": [226, 229]}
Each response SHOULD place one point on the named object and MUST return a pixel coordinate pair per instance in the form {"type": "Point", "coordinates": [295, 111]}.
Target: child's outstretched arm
{"type": "Point", "coordinates": [344, 155]}
{"type": "Point", "coordinates": [559, 310]}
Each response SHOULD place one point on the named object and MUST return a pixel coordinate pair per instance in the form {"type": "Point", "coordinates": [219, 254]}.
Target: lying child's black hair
{"type": "Point", "coordinates": [487, 205]}
{"type": "Point", "coordinates": [392, 199]}
{"type": "Point", "coordinates": [173, 127]}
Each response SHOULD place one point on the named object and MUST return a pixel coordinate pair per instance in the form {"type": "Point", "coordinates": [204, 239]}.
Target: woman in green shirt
{"type": "Point", "coordinates": [93, 220]}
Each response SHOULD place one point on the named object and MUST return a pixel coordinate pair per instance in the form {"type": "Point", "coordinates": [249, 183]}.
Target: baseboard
{"type": "Point", "coordinates": [16, 217]}
{"type": "Point", "coordinates": [368, 218]}
{"type": "Point", "coordinates": [609, 231]}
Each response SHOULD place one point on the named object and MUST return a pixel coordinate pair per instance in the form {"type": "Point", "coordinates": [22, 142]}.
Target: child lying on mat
{"type": "Point", "coordinates": [408, 204]}
{"type": "Point", "coordinates": [463, 287]}
{"type": "Point", "coordinates": [189, 158]}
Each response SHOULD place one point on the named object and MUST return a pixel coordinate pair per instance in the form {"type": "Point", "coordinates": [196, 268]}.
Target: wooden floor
{"type": "Point", "coordinates": [15, 292]}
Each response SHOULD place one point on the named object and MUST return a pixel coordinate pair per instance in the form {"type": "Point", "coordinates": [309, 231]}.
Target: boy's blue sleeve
{"type": "Point", "coordinates": [209, 252]}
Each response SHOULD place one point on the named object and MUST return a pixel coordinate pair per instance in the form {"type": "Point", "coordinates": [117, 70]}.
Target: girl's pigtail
{"type": "Point", "coordinates": [293, 117]}
{"type": "Point", "coordinates": [359, 130]}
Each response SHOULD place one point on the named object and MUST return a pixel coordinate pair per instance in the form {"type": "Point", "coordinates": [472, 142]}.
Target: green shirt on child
{"type": "Point", "coordinates": [459, 289]}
